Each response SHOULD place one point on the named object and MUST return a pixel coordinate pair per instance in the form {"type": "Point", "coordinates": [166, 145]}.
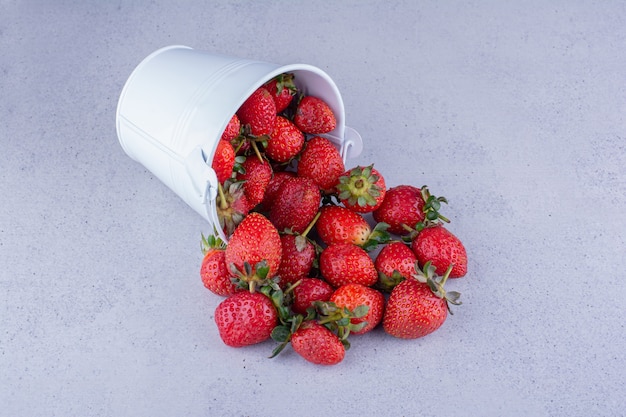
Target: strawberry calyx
{"type": "Point", "coordinates": [358, 187]}
{"type": "Point", "coordinates": [432, 217]}
{"type": "Point", "coordinates": [273, 291]}
{"type": "Point", "coordinates": [378, 236]}
{"type": "Point", "coordinates": [240, 142]}
{"type": "Point", "coordinates": [211, 242]}
{"type": "Point", "coordinates": [283, 332]}
{"type": "Point", "coordinates": [432, 204]}
{"type": "Point", "coordinates": [387, 283]}
{"type": "Point", "coordinates": [436, 283]}
{"type": "Point", "coordinates": [247, 140]}
{"type": "Point", "coordinates": [252, 278]}
{"type": "Point", "coordinates": [283, 89]}
{"type": "Point", "coordinates": [231, 205]}
{"type": "Point", "coordinates": [336, 319]}
{"type": "Point", "coordinates": [238, 166]}
{"type": "Point", "coordinates": [285, 81]}
{"type": "Point", "coordinates": [339, 319]}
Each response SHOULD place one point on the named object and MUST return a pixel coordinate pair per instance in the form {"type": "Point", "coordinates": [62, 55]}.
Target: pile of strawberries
{"type": "Point", "coordinates": [299, 266]}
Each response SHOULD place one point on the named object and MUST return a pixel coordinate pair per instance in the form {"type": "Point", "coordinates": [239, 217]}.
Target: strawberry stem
{"type": "Point", "coordinates": [223, 202]}
{"type": "Point", "coordinates": [310, 226]}
{"type": "Point", "coordinates": [239, 145]}
{"type": "Point", "coordinates": [255, 148]}
{"type": "Point", "coordinates": [292, 286]}
{"type": "Point", "coordinates": [445, 276]}
{"type": "Point", "coordinates": [432, 205]}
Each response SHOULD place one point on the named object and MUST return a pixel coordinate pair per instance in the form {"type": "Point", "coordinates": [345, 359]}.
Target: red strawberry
{"type": "Point", "coordinates": [362, 189]}
{"type": "Point", "coordinates": [407, 206]}
{"type": "Point", "coordinates": [340, 225]}
{"type": "Point", "coordinates": [272, 188]}
{"type": "Point", "coordinates": [223, 160]}
{"type": "Point", "coordinates": [245, 318]}
{"type": "Point", "coordinates": [297, 202]}
{"type": "Point", "coordinates": [309, 291]}
{"type": "Point", "coordinates": [282, 89]}
{"type": "Point", "coordinates": [418, 306]}
{"type": "Point", "coordinates": [232, 205]}
{"type": "Point", "coordinates": [394, 263]}
{"type": "Point", "coordinates": [285, 141]}
{"type": "Point", "coordinates": [442, 248]}
{"type": "Point", "coordinates": [232, 130]}
{"type": "Point", "coordinates": [213, 272]}
{"type": "Point", "coordinates": [317, 344]}
{"type": "Point", "coordinates": [256, 176]}
{"type": "Point", "coordinates": [254, 240]}
{"type": "Point", "coordinates": [297, 260]}
{"type": "Point", "coordinates": [259, 112]}
{"type": "Point", "coordinates": [402, 205]}
{"type": "Point", "coordinates": [321, 161]}
{"type": "Point", "coordinates": [314, 116]}
{"type": "Point", "coordinates": [345, 263]}
{"type": "Point", "coordinates": [299, 254]}
{"type": "Point", "coordinates": [352, 296]}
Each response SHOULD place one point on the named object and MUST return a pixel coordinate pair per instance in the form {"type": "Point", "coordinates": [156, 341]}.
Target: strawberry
{"type": "Point", "coordinates": [345, 263]}
{"type": "Point", "coordinates": [285, 141]}
{"type": "Point", "coordinates": [352, 296]}
{"type": "Point", "coordinates": [308, 291]}
{"type": "Point", "coordinates": [418, 306]}
{"type": "Point", "coordinates": [213, 271]}
{"type": "Point", "coordinates": [232, 205]}
{"type": "Point", "coordinates": [340, 225]}
{"type": "Point", "coordinates": [299, 255]}
{"type": "Point", "coordinates": [232, 130]}
{"type": "Point", "coordinates": [442, 248]}
{"type": "Point", "coordinates": [402, 205]}
{"type": "Point", "coordinates": [223, 160]}
{"type": "Point", "coordinates": [255, 244]}
{"type": "Point", "coordinates": [282, 89]}
{"type": "Point", "coordinates": [321, 161]}
{"type": "Point", "coordinates": [361, 189]}
{"type": "Point", "coordinates": [407, 206]}
{"type": "Point", "coordinates": [258, 112]}
{"type": "Point", "coordinates": [272, 188]}
{"type": "Point", "coordinates": [297, 202]}
{"type": "Point", "coordinates": [245, 318]}
{"type": "Point", "coordinates": [314, 116]}
{"type": "Point", "coordinates": [394, 263]}
{"type": "Point", "coordinates": [317, 344]}
{"type": "Point", "coordinates": [256, 176]}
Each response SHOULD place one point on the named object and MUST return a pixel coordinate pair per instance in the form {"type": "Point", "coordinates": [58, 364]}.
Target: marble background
{"type": "Point", "coordinates": [515, 111]}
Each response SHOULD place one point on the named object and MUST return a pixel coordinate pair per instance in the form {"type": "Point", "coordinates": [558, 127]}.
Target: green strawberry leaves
{"type": "Point", "coordinates": [436, 283]}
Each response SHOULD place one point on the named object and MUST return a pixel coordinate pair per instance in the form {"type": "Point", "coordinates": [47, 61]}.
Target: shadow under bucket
{"type": "Point", "coordinates": [177, 102]}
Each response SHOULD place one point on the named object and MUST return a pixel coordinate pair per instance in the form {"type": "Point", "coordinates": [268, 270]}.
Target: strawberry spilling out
{"type": "Point", "coordinates": [419, 305]}
{"type": "Point", "coordinates": [245, 318]}
{"type": "Point", "coordinates": [362, 189]}
{"type": "Point", "coordinates": [319, 253]}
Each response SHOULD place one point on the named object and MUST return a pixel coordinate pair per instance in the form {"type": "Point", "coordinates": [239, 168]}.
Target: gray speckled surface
{"type": "Point", "coordinates": [513, 110]}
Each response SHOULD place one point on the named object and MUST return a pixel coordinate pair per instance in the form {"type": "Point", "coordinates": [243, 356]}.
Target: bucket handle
{"type": "Point", "coordinates": [204, 180]}
{"type": "Point", "coordinates": [352, 143]}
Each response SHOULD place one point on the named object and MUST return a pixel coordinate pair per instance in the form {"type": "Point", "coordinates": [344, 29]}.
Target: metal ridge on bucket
{"type": "Point", "coordinates": [177, 102]}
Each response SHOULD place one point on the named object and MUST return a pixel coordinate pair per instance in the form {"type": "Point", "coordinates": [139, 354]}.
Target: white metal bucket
{"type": "Point", "coordinates": [177, 102]}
